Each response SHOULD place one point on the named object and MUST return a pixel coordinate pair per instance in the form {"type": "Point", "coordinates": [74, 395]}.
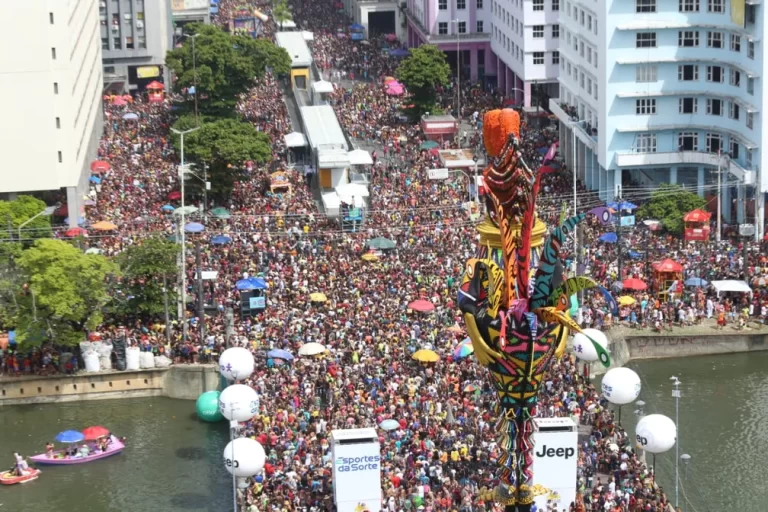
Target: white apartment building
{"type": "Point", "coordinates": [525, 39]}
{"type": "Point", "coordinates": [50, 89]}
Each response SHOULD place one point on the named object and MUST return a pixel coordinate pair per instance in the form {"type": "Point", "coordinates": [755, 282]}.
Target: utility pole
{"type": "Point", "coordinates": [458, 85]}
{"type": "Point", "coordinates": [165, 309]}
{"type": "Point", "coordinates": [618, 234]}
{"type": "Point", "coordinates": [676, 395]}
{"type": "Point", "coordinates": [686, 460]}
{"type": "Point", "coordinates": [229, 324]}
{"type": "Point", "coordinates": [719, 199]}
{"type": "Point", "coordinates": [200, 300]}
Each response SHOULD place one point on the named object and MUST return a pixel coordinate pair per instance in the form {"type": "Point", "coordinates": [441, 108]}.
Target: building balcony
{"type": "Point", "coordinates": [652, 24]}
{"type": "Point", "coordinates": [569, 117]}
{"type": "Point", "coordinates": [636, 159]}
{"type": "Point", "coordinates": [652, 58]}
{"type": "Point", "coordinates": [469, 37]}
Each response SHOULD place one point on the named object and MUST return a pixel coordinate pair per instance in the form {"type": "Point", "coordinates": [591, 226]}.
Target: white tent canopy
{"type": "Point", "coordinates": [295, 140]}
{"type": "Point", "coordinates": [322, 87]}
{"type": "Point", "coordinates": [308, 36]}
{"type": "Point", "coordinates": [352, 190]}
{"type": "Point", "coordinates": [360, 157]}
{"type": "Point", "coordinates": [731, 285]}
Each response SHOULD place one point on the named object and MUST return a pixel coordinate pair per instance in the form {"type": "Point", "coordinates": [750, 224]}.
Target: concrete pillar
{"type": "Point", "coordinates": [75, 206]}
{"type": "Point", "coordinates": [741, 203]}
{"type": "Point", "coordinates": [673, 175]}
{"type": "Point", "coordinates": [527, 88]}
{"type": "Point", "coordinates": [700, 182]}
{"type": "Point", "coordinates": [726, 204]}
{"type": "Point", "coordinates": [760, 214]}
{"type": "Point", "coordinates": [473, 64]}
{"type": "Point", "coordinates": [590, 170]}
{"type": "Point", "coordinates": [616, 182]}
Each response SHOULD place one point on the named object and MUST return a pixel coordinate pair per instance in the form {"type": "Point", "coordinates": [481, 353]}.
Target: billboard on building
{"type": "Point", "coordinates": [555, 458]}
{"type": "Point", "coordinates": [147, 71]}
{"type": "Point", "coordinates": [356, 470]}
{"type": "Point", "coordinates": [188, 5]}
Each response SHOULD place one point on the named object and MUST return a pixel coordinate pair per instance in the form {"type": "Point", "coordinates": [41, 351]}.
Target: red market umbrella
{"type": "Point", "coordinates": [174, 196]}
{"type": "Point", "coordinates": [99, 166]}
{"type": "Point", "coordinates": [119, 102]}
{"type": "Point", "coordinates": [634, 284]}
{"type": "Point", "coordinates": [155, 85]}
{"type": "Point", "coordinates": [93, 433]}
{"type": "Point", "coordinates": [668, 265]}
{"type": "Point", "coordinates": [421, 305]}
{"type": "Point", "coordinates": [75, 232]}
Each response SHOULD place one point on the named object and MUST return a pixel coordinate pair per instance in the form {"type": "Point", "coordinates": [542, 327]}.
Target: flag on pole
{"type": "Point", "coordinates": [673, 288]}
{"type": "Point", "coordinates": [552, 152]}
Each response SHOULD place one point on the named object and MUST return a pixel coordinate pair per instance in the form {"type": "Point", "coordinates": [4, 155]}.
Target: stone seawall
{"type": "Point", "coordinates": [183, 382]}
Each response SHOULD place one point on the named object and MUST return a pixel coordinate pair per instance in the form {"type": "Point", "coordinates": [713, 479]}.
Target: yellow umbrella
{"type": "Point", "coordinates": [318, 297]}
{"type": "Point", "coordinates": [369, 257]}
{"type": "Point", "coordinates": [626, 300]}
{"type": "Point", "coordinates": [104, 226]}
{"type": "Point", "coordinates": [426, 356]}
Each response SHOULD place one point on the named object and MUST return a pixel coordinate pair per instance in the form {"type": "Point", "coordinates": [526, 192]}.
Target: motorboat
{"type": "Point", "coordinates": [64, 457]}
{"type": "Point", "coordinates": [11, 478]}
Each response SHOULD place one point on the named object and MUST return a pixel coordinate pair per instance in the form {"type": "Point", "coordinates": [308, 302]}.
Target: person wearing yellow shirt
{"type": "Point", "coordinates": [455, 455]}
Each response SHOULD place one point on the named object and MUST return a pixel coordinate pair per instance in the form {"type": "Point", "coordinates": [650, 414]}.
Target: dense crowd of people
{"type": "Point", "coordinates": [441, 457]}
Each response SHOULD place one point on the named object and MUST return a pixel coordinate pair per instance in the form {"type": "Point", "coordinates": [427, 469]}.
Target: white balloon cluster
{"type": "Point", "coordinates": [656, 433]}
{"type": "Point", "coordinates": [236, 363]}
{"type": "Point", "coordinates": [583, 348]}
{"type": "Point", "coordinates": [621, 386]}
{"type": "Point", "coordinates": [244, 457]}
{"type": "Point", "coordinates": [239, 402]}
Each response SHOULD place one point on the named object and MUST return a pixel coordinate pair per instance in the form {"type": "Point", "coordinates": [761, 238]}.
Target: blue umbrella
{"type": "Point", "coordinates": [624, 205]}
{"type": "Point", "coordinates": [70, 436]}
{"type": "Point", "coordinates": [696, 281]}
{"type": "Point", "coordinates": [258, 283]}
{"type": "Point", "coordinates": [80, 221]}
{"type": "Point", "coordinates": [542, 151]}
{"type": "Point", "coordinates": [220, 240]}
{"type": "Point", "coordinates": [389, 425]}
{"type": "Point", "coordinates": [194, 227]}
{"type": "Point", "coordinates": [168, 208]}
{"type": "Point", "coordinates": [95, 180]}
{"type": "Point", "coordinates": [245, 284]}
{"type": "Point", "coordinates": [609, 238]}
{"type": "Point", "coordinates": [279, 353]}
{"type": "Point", "coordinates": [400, 52]}
{"type": "Point", "coordinates": [130, 116]}
{"type": "Point", "coordinates": [635, 255]}
{"type": "Point", "coordinates": [356, 26]}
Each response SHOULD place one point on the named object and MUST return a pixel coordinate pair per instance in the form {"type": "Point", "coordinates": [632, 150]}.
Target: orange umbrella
{"type": "Point", "coordinates": [389, 79]}
{"type": "Point", "coordinates": [104, 226]}
{"type": "Point", "coordinates": [154, 85]}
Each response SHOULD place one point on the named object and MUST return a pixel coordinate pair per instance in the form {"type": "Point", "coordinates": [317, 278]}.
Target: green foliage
{"type": "Point", "coordinates": [422, 72]}
{"type": "Point", "coordinates": [64, 292]}
{"type": "Point", "coordinates": [224, 145]}
{"type": "Point", "coordinates": [143, 266]}
{"type": "Point", "coordinates": [21, 210]}
{"type": "Point", "coordinates": [282, 12]}
{"type": "Point", "coordinates": [669, 203]}
{"type": "Point", "coordinates": [223, 65]}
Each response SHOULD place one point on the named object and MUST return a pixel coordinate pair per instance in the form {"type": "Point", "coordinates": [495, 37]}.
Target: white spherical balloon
{"type": "Point", "coordinates": [656, 433]}
{"type": "Point", "coordinates": [236, 363]}
{"type": "Point", "coordinates": [621, 386]}
{"type": "Point", "coordinates": [239, 402]}
{"type": "Point", "coordinates": [244, 457]}
{"type": "Point", "coordinates": [583, 348]}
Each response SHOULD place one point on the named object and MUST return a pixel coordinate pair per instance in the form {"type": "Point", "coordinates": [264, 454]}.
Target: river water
{"type": "Point", "coordinates": [173, 462]}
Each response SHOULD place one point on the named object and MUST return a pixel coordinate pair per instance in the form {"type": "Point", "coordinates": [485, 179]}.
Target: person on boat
{"type": "Point", "coordinates": [84, 451]}
{"type": "Point", "coordinates": [104, 443]}
{"type": "Point", "coordinates": [49, 450]}
{"type": "Point", "coordinates": [21, 464]}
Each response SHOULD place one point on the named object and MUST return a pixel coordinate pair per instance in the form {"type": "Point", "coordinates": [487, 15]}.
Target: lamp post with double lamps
{"type": "Point", "coordinates": [676, 395]}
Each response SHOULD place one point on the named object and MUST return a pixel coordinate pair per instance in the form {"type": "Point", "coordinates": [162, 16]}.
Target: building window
{"type": "Point", "coordinates": [462, 27]}
{"type": "Point", "coordinates": [589, 86]}
{"type": "Point", "coordinates": [142, 42]}
{"type": "Point", "coordinates": [589, 22]}
{"type": "Point", "coordinates": [645, 143]}
{"type": "Point", "coordinates": [58, 123]}
{"type": "Point", "coordinates": [555, 5]}
{"type": "Point", "coordinates": [555, 31]}
{"type": "Point", "coordinates": [715, 74]}
{"type": "Point", "coordinates": [735, 77]}
{"type": "Point", "coordinates": [748, 158]}
{"type": "Point", "coordinates": [689, 5]}
{"type": "Point", "coordinates": [734, 149]}
{"type": "Point", "coordinates": [688, 105]}
{"type": "Point", "coordinates": [478, 4]}
{"type": "Point", "coordinates": [61, 157]}
{"type": "Point", "coordinates": [53, 53]}
{"type": "Point", "coordinates": [715, 5]}
{"type": "Point", "coordinates": [714, 107]}
{"type": "Point", "coordinates": [688, 73]}
{"type": "Point", "coordinates": [105, 43]}
{"type": "Point", "coordinates": [646, 106]}
{"type": "Point", "coordinates": [715, 39]}
{"type": "Point", "coordinates": [750, 120]}
{"type": "Point", "coordinates": [645, 40]}
{"type": "Point", "coordinates": [442, 5]}
{"type": "Point", "coordinates": [461, 4]}
{"type": "Point", "coordinates": [733, 110]}
{"type": "Point", "coordinates": [735, 42]}
{"type": "Point", "coordinates": [688, 38]}
{"type": "Point", "coordinates": [55, 87]}
{"type": "Point", "coordinates": [129, 43]}
{"type": "Point", "coordinates": [714, 142]}
{"type": "Point", "coordinates": [750, 85]}
{"type": "Point", "coordinates": [687, 141]}
{"type": "Point", "coordinates": [538, 31]}
{"type": "Point", "coordinates": [442, 28]}
{"type": "Point", "coordinates": [480, 27]}
{"type": "Point", "coordinates": [116, 43]}
{"type": "Point", "coordinates": [646, 73]}
{"type": "Point", "coordinates": [50, 17]}
{"type": "Point", "coordinates": [751, 49]}
{"type": "Point", "coordinates": [538, 5]}
{"type": "Point", "coordinates": [645, 5]}
{"type": "Point", "coordinates": [555, 57]}
{"type": "Point", "coordinates": [538, 58]}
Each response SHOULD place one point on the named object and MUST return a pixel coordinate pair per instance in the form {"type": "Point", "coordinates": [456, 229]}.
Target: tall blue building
{"type": "Point", "coordinates": [665, 91]}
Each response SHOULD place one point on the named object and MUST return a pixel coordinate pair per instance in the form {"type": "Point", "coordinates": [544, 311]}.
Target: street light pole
{"type": "Point", "coordinates": [458, 84]}
{"type": "Point", "coordinates": [183, 235]}
{"type": "Point", "coordinates": [676, 395]}
{"type": "Point", "coordinates": [719, 199]}
{"type": "Point", "coordinates": [194, 69]}
{"type": "Point", "coordinates": [573, 165]}
{"type": "Point", "coordinates": [48, 211]}
{"type": "Point", "coordinates": [686, 460]}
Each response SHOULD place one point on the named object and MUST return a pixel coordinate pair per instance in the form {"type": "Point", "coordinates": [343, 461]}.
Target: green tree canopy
{"type": "Point", "coordinates": [422, 72]}
{"type": "Point", "coordinates": [19, 211]}
{"type": "Point", "coordinates": [64, 292]}
{"type": "Point", "coordinates": [669, 203]}
{"type": "Point", "coordinates": [224, 145]}
{"type": "Point", "coordinates": [144, 266]}
{"type": "Point", "coordinates": [282, 12]}
{"type": "Point", "coordinates": [223, 65]}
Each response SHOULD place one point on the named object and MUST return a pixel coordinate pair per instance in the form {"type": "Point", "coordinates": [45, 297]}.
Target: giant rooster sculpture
{"type": "Point", "coordinates": [518, 321]}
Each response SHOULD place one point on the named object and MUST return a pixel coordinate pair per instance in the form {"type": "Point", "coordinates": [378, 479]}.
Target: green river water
{"type": "Point", "coordinates": [173, 462]}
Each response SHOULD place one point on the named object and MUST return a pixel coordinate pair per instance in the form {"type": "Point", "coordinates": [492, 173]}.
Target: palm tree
{"type": "Point", "coordinates": [282, 13]}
